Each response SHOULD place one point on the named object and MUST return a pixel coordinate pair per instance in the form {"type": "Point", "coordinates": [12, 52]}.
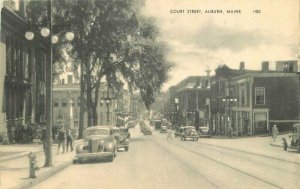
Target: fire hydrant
{"type": "Point", "coordinates": [32, 165]}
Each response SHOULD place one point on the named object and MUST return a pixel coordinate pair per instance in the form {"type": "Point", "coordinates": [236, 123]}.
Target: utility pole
{"type": "Point", "coordinates": [49, 95]}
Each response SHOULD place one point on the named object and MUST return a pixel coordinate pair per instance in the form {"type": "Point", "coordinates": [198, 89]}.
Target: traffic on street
{"type": "Point", "coordinates": [149, 94]}
{"type": "Point", "coordinates": [154, 161]}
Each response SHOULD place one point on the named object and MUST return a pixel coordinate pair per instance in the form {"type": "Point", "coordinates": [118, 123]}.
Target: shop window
{"type": "Point", "coordinates": [260, 95]}
{"type": "Point", "coordinates": [260, 123]}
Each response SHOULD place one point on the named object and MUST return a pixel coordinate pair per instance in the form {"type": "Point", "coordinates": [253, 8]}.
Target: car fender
{"type": "Point", "coordinates": [80, 149]}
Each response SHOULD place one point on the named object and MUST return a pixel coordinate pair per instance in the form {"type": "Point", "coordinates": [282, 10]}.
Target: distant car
{"type": "Point", "coordinates": [157, 124]}
{"type": "Point", "coordinates": [293, 141]}
{"type": "Point", "coordinates": [189, 132]}
{"type": "Point", "coordinates": [124, 138]}
{"type": "Point", "coordinates": [147, 131]}
{"type": "Point", "coordinates": [99, 143]}
{"type": "Point", "coordinates": [132, 123]}
{"type": "Point", "coordinates": [163, 129]}
{"type": "Point", "coordinates": [204, 131]}
{"type": "Point", "coordinates": [179, 132]}
{"type": "Point", "coordinates": [152, 122]}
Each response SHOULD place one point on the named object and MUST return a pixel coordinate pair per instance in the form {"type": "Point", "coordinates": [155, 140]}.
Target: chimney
{"type": "Point", "coordinates": [265, 66]}
{"type": "Point", "coordinates": [242, 65]}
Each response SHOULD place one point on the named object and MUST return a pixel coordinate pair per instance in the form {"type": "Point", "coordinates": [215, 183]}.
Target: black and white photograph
{"type": "Point", "coordinates": [149, 94]}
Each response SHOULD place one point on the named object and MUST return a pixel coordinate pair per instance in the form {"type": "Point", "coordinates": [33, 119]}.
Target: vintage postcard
{"type": "Point", "coordinates": [144, 94]}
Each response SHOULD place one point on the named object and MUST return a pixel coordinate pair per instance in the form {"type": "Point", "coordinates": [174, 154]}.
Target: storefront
{"type": "Point", "coordinates": [260, 121]}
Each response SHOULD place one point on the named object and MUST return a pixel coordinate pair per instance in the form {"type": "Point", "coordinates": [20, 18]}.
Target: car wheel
{"type": "Point", "coordinates": [115, 152]}
{"type": "Point", "coordinates": [126, 148]}
{"type": "Point", "coordinates": [111, 158]}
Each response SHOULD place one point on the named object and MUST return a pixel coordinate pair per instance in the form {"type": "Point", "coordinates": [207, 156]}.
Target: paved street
{"type": "Point", "coordinates": [154, 162]}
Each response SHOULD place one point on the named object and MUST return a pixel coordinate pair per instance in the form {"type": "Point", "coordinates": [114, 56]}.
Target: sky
{"type": "Point", "coordinates": [264, 30]}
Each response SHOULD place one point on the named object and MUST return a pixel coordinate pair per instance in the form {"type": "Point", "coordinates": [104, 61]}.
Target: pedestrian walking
{"type": "Point", "coordinates": [69, 140]}
{"type": "Point", "coordinates": [230, 131]}
{"type": "Point", "coordinates": [275, 132]}
{"type": "Point", "coordinates": [169, 135]}
{"type": "Point", "coordinates": [61, 139]}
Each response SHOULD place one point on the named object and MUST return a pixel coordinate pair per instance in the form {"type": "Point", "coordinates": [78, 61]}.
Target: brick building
{"type": "Point", "coordinates": [252, 101]}
{"type": "Point", "coordinates": [23, 74]}
{"type": "Point", "coordinates": [190, 100]}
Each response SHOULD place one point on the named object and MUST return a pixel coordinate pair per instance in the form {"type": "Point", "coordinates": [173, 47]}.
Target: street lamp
{"type": "Point", "coordinates": [176, 101]}
{"type": "Point", "coordinates": [47, 32]}
{"type": "Point", "coordinates": [107, 101]}
{"type": "Point", "coordinates": [228, 100]}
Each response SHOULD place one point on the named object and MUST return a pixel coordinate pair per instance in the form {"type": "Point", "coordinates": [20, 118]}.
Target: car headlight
{"type": "Point", "coordinates": [110, 145]}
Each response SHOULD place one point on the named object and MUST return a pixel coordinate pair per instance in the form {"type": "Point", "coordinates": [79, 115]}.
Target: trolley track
{"type": "Point", "coordinates": [221, 150]}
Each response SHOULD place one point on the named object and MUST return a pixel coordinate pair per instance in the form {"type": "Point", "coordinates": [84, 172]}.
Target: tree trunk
{"type": "Point", "coordinates": [89, 100]}
{"type": "Point", "coordinates": [82, 105]}
{"type": "Point", "coordinates": [95, 113]}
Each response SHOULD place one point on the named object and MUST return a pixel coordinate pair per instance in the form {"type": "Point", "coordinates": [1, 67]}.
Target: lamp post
{"type": "Point", "coordinates": [176, 101]}
{"type": "Point", "coordinates": [47, 33]}
{"type": "Point", "coordinates": [228, 100]}
{"type": "Point", "coordinates": [107, 101]}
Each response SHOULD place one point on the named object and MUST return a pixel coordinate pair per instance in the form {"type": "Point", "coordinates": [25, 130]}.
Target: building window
{"type": "Point", "coordinates": [260, 95]}
{"type": "Point", "coordinates": [56, 102]}
{"type": "Point", "coordinates": [243, 97]}
{"type": "Point", "coordinates": [64, 102]}
{"type": "Point", "coordinates": [260, 123]}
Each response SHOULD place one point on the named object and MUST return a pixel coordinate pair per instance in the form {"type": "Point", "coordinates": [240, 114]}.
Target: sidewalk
{"type": "Point", "coordinates": [14, 164]}
{"type": "Point", "coordinates": [256, 145]}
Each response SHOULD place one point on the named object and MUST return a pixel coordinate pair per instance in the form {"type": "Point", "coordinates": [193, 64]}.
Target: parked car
{"type": "Point", "coordinates": [293, 141]}
{"type": "Point", "coordinates": [163, 129]}
{"type": "Point", "coordinates": [99, 143]}
{"type": "Point", "coordinates": [189, 132]}
{"type": "Point", "coordinates": [124, 138]}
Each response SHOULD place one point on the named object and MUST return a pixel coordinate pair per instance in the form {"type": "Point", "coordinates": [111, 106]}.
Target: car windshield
{"type": "Point", "coordinates": [97, 132]}
{"type": "Point", "coordinates": [189, 129]}
{"type": "Point", "coordinates": [116, 131]}
{"type": "Point", "coordinates": [125, 130]}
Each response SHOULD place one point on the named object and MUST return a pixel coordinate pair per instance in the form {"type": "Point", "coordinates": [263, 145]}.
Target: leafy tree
{"type": "Point", "coordinates": [113, 41]}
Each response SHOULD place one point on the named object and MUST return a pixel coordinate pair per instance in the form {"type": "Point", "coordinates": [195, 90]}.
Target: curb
{"type": "Point", "coordinates": [276, 145]}
{"type": "Point", "coordinates": [18, 155]}
{"type": "Point", "coordinates": [31, 182]}
{"type": "Point", "coordinates": [22, 154]}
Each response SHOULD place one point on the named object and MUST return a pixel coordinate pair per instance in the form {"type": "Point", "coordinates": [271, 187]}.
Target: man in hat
{"type": "Point", "coordinates": [61, 139]}
{"type": "Point", "coordinates": [275, 132]}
